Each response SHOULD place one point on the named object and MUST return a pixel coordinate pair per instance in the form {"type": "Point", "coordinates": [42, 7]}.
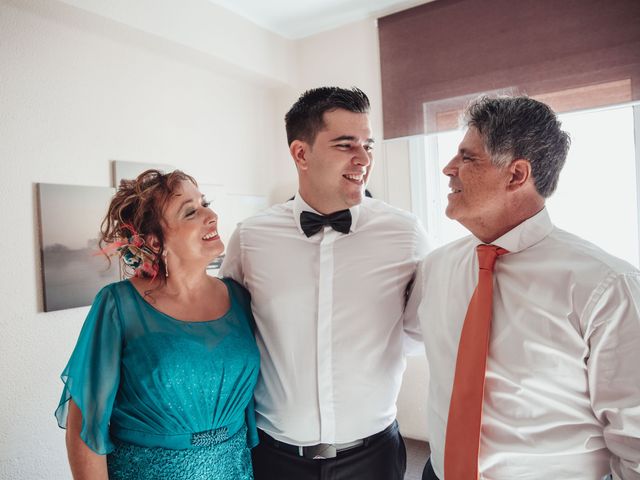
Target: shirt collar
{"type": "Point", "coordinates": [533, 230]}
{"type": "Point", "coordinates": [299, 206]}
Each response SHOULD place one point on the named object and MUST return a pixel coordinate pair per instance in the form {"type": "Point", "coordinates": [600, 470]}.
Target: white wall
{"type": "Point", "coordinates": [207, 28]}
{"type": "Point", "coordinates": [78, 90]}
{"type": "Point", "coordinates": [81, 85]}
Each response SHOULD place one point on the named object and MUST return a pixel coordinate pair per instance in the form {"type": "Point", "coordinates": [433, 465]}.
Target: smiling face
{"type": "Point", "coordinates": [334, 170]}
{"type": "Point", "coordinates": [479, 189]}
{"type": "Point", "coordinates": [190, 227]}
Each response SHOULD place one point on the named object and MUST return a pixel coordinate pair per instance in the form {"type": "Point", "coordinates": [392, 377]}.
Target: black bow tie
{"type": "Point", "coordinates": [312, 223]}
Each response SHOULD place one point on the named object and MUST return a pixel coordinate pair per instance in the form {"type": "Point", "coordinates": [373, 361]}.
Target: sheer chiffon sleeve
{"type": "Point", "coordinates": [92, 375]}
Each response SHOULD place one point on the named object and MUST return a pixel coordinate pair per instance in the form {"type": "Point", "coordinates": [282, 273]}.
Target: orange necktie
{"type": "Point", "coordinates": [465, 409]}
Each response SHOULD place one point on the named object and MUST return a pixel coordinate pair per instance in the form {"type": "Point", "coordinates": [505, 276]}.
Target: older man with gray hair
{"type": "Point", "coordinates": [532, 334]}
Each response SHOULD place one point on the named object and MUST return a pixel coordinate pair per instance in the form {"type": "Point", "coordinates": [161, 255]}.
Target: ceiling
{"type": "Point", "coordinates": [301, 18]}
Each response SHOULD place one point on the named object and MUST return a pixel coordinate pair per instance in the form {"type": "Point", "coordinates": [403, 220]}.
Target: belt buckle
{"type": "Point", "coordinates": [319, 452]}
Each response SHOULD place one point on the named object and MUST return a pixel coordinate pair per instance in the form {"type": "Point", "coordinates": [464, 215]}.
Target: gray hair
{"type": "Point", "coordinates": [520, 127]}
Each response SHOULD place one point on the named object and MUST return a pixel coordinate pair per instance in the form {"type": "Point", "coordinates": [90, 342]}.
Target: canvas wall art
{"type": "Point", "coordinates": [73, 269]}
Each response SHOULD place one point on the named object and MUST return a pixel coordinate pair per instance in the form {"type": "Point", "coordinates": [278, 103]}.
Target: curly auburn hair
{"type": "Point", "coordinates": [140, 204]}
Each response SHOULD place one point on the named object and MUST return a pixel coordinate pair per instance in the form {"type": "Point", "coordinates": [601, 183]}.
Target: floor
{"type": "Point", "coordinates": [417, 454]}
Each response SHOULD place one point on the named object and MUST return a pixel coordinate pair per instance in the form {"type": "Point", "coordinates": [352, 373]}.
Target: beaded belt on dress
{"type": "Point", "coordinates": [210, 437]}
{"type": "Point", "coordinates": [179, 441]}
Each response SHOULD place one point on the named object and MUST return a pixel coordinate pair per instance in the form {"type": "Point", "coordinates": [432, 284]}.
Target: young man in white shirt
{"type": "Point", "coordinates": [562, 384]}
{"type": "Point", "coordinates": [329, 273]}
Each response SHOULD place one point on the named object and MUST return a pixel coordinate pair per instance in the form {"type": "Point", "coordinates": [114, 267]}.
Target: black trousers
{"type": "Point", "coordinates": [428, 473]}
{"type": "Point", "coordinates": [382, 458]}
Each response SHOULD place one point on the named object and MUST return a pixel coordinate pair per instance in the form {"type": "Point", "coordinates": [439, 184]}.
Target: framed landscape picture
{"type": "Point", "coordinates": [73, 269]}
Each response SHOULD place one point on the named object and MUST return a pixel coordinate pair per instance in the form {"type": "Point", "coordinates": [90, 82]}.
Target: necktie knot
{"type": "Point", "coordinates": [487, 255]}
{"type": "Point", "coordinates": [311, 223]}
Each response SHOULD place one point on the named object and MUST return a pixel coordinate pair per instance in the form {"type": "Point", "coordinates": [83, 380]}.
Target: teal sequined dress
{"type": "Point", "coordinates": [164, 398]}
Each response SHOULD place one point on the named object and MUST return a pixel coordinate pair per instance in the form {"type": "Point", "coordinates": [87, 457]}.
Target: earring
{"type": "Point", "coordinates": [166, 263]}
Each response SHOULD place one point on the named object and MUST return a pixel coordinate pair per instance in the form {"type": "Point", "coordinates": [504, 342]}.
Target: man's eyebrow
{"type": "Point", "coordinates": [350, 138]}
{"type": "Point", "coordinates": [343, 138]}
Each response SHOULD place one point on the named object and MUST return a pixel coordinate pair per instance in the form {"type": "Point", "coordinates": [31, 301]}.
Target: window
{"type": "Point", "coordinates": [597, 196]}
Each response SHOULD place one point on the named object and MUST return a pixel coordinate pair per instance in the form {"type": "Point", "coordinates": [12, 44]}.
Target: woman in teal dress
{"type": "Point", "coordinates": [160, 383]}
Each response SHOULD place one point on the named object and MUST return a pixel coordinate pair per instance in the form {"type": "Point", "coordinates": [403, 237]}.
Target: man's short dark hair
{"type": "Point", "coordinates": [520, 127]}
{"type": "Point", "coordinates": [305, 118]}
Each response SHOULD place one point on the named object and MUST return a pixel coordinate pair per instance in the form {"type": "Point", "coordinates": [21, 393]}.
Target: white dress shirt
{"type": "Point", "coordinates": [562, 395]}
{"type": "Point", "coordinates": [330, 316]}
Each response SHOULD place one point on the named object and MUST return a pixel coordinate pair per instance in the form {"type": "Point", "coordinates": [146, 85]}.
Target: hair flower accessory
{"type": "Point", "coordinates": [135, 255]}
